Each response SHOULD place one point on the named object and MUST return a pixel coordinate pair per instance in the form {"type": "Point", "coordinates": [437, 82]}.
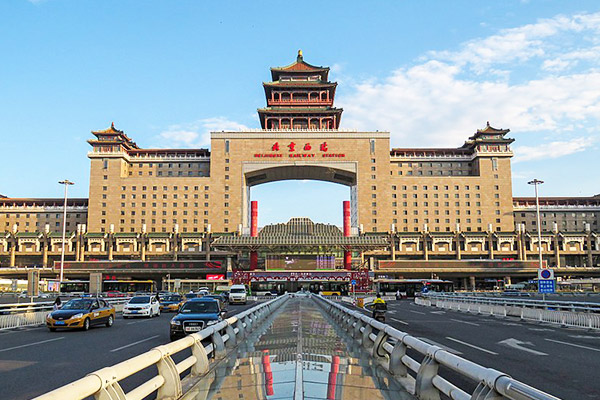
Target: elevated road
{"type": "Point", "coordinates": [34, 361]}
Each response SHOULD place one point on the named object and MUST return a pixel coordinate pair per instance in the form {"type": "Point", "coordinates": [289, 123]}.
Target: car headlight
{"type": "Point", "coordinates": [147, 306]}
{"type": "Point", "coordinates": [80, 315]}
{"type": "Point", "coordinates": [175, 322]}
{"type": "Point", "coordinates": [49, 315]}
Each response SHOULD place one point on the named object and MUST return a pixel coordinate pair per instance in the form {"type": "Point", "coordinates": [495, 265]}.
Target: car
{"type": "Point", "coordinates": [171, 303]}
{"type": "Point", "coordinates": [204, 288]}
{"type": "Point", "coordinates": [203, 292]}
{"type": "Point", "coordinates": [237, 294]}
{"type": "Point", "coordinates": [81, 313]}
{"type": "Point", "coordinates": [114, 293]}
{"type": "Point", "coordinates": [142, 306]}
{"type": "Point", "coordinates": [191, 295]}
{"type": "Point", "coordinates": [217, 297]}
{"type": "Point", "coordinates": [23, 294]}
{"type": "Point", "coordinates": [195, 315]}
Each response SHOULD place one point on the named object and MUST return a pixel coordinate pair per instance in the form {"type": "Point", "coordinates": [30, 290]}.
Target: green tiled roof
{"type": "Point", "coordinates": [27, 234]}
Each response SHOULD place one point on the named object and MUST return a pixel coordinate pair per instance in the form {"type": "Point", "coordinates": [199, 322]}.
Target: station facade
{"type": "Point", "coordinates": [430, 203]}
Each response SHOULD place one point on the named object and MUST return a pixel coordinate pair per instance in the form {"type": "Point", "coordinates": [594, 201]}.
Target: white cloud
{"type": "Point", "coordinates": [518, 78]}
{"type": "Point", "coordinates": [197, 133]}
{"type": "Point", "coordinates": [550, 150]}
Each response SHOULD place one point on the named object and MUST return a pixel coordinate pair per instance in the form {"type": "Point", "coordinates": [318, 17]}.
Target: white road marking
{"type": "Point", "coordinates": [464, 322]}
{"type": "Point", "coordinates": [137, 322]}
{"type": "Point", "coordinates": [541, 329]}
{"type": "Point", "coordinates": [574, 345]}
{"type": "Point", "coordinates": [471, 345]}
{"type": "Point", "coordinates": [397, 320]}
{"type": "Point", "coordinates": [517, 344]}
{"type": "Point", "coordinates": [448, 349]}
{"type": "Point", "coordinates": [437, 312]}
{"type": "Point", "coordinates": [134, 343]}
{"type": "Point", "coordinates": [31, 344]}
{"type": "Point", "coordinates": [416, 312]}
{"type": "Point", "coordinates": [584, 337]}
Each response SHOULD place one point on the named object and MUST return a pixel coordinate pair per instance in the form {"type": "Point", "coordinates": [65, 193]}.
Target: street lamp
{"type": "Point", "coordinates": [535, 183]}
{"type": "Point", "coordinates": [67, 183]}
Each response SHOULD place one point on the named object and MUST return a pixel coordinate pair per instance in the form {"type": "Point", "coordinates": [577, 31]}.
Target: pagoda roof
{"type": "Point", "coordinates": [301, 83]}
{"type": "Point", "coordinates": [488, 130]}
{"type": "Point", "coordinates": [119, 136]}
{"type": "Point", "coordinates": [300, 109]}
{"type": "Point", "coordinates": [299, 66]}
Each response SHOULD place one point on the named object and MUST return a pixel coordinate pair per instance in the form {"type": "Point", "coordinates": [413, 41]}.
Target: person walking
{"type": "Point", "coordinates": [57, 303]}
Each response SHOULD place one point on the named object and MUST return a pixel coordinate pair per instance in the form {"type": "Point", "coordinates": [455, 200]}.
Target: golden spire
{"type": "Point", "coordinates": [300, 58]}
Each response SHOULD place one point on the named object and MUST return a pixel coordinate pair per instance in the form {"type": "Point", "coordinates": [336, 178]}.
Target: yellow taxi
{"type": "Point", "coordinates": [171, 303]}
{"type": "Point", "coordinates": [81, 313]}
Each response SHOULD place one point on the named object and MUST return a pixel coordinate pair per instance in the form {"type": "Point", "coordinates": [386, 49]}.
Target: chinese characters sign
{"type": "Point", "coordinates": [299, 150]}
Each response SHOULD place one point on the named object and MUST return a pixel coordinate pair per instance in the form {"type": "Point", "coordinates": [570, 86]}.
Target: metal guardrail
{"type": "Point", "coordinates": [32, 314]}
{"type": "Point", "coordinates": [587, 320]}
{"type": "Point", "coordinates": [578, 306]}
{"type": "Point", "coordinates": [389, 347]}
{"type": "Point", "coordinates": [213, 342]}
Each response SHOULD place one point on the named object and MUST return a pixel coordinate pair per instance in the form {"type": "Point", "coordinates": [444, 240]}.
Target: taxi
{"type": "Point", "coordinates": [81, 313]}
{"type": "Point", "coordinates": [171, 303]}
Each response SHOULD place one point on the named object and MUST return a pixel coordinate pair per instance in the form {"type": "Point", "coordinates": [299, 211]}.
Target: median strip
{"type": "Point", "coordinates": [134, 343]}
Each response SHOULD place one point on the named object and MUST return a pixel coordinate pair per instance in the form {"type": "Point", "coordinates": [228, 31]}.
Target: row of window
{"type": "Point", "coordinates": [69, 215]}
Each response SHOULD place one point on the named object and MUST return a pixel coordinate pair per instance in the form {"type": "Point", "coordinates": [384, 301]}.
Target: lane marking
{"type": "Point", "coordinates": [574, 345]}
{"type": "Point", "coordinates": [32, 344]}
{"type": "Point", "coordinates": [464, 322]}
{"type": "Point", "coordinates": [416, 312]}
{"type": "Point", "coordinates": [541, 329]}
{"type": "Point", "coordinates": [137, 322]}
{"type": "Point", "coordinates": [134, 343]}
{"type": "Point", "coordinates": [397, 320]}
{"type": "Point", "coordinates": [448, 349]}
{"type": "Point", "coordinates": [584, 337]}
{"type": "Point", "coordinates": [471, 345]}
{"type": "Point", "coordinates": [517, 344]}
{"type": "Point", "coordinates": [437, 312]}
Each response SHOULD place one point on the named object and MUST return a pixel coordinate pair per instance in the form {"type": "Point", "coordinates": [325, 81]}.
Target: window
{"type": "Point", "coordinates": [494, 164]}
{"type": "Point", "coordinates": [227, 146]}
{"type": "Point", "coordinates": [372, 144]}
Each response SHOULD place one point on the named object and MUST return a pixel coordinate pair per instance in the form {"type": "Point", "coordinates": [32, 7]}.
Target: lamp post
{"type": "Point", "coordinates": [67, 183]}
{"type": "Point", "coordinates": [535, 183]}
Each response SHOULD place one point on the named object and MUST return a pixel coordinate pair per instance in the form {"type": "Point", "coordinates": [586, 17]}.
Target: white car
{"type": "Point", "coordinates": [237, 294]}
{"type": "Point", "coordinates": [142, 306]}
{"type": "Point", "coordinates": [203, 292]}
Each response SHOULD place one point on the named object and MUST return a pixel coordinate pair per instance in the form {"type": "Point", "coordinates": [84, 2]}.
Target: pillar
{"type": "Point", "coordinates": [590, 259]}
{"type": "Point", "coordinates": [253, 232]}
{"type": "Point", "coordinates": [507, 280]}
{"type": "Point", "coordinates": [465, 284]}
{"type": "Point", "coordinates": [78, 242]}
{"type": "Point", "coordinates": [457, 242]}
{"type": "Point", "coordinates": [347, 253]}
{"type": "Point", "coordinates": [110, 239]}
{"type": "Point", "coordinates": [332, 377]}
{"type": "Point", "coordinates": [556, 245]}
{"type": "Point", "coordinates": [490, 242]}
{"type": "Point", "coordinates": [472, 282]}
{"type": "Point", "coordinates": [13, 255]}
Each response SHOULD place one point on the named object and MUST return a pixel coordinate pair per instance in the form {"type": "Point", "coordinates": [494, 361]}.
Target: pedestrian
{"type": "Point", "coordinates": [57, 303]}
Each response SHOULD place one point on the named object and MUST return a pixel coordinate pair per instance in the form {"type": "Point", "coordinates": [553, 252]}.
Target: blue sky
{"type": "Point", "coordinates": [167, 73]}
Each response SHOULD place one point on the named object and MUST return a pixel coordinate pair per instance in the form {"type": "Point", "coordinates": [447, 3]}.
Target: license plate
{"type": "Point", "coordinates": [134, 312]}
{"type": "Point", "coordinates": [193, 329]}
{"type": "Point", "coordinates": [60, 323]}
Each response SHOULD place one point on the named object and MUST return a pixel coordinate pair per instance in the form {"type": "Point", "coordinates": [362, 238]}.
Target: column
{"type": "Point", "coordinates": [490, 242]}
{"type": "Point", "coordinates": [253, 233]}
{"type": "Point", "coordinates": [347, 230]}
{"type": "Point", "coordinates": [77, 242]}
{"type": "Point", "coordinates": [590, 260]}
{"type": "Point", "coordinates": [110, 239]}
{"type": "Point", "coordinates": [457, 242]}
{"type": "Point", "coordinates": [472, 282]}
{"type": "Point", "coordinates": [556, 245]}
{"type": "Point", "coordinates": [13, 250]}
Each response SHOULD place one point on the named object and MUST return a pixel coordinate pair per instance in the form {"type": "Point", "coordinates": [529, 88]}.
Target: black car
{"type": "Point", "coordinates": [195, 315]}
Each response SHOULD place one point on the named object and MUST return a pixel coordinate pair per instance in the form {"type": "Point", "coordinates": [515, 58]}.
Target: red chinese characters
{"type": "Point", "coordinates": [292, 146]}
{"type": "Point", "coordinates": [275, 147]}
{"type": "Point", "coordinates": [307, 147]}
{"type": "Point", "coordinates": [323, 146]}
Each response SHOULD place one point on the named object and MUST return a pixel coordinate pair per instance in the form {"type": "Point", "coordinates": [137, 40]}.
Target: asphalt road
{"type": "Point", "coordinates": [561, 361]}
{"type": "Point", "coordinates": [34, 361]}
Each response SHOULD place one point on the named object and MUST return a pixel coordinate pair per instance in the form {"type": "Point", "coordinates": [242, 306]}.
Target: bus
{"type": "Point", "coordinates": [411, 287]}
{"type": "Point", "coordinates": [76, 287]}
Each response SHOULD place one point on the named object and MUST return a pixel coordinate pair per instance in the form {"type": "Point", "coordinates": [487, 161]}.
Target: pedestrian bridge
{"type": "Point", "coordinates": [300, 347]}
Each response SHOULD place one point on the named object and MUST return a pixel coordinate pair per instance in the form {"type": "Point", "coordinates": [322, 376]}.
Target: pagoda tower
{"type": "Point", "coordinates": [300, 97]}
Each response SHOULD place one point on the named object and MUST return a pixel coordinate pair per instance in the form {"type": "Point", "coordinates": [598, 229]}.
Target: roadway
{"type": "Point", "coordinates": [560, 361]}
{"type": "Point", "coordinates": [34, 361]}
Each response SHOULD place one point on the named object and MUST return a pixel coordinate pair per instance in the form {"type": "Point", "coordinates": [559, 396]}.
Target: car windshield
{"type": "Point", "coordinates": [191, 295]}
{"type": "Point", "coordinates": [140, 300]}
{"type": "Point", "coordinates": [78, 304]}
{"type": "Point", "coordinates": [238, 290]}
{"type": "Point", "coordinates": [200, 307]}
{"type": "Point", "coordinates": [172, 298]}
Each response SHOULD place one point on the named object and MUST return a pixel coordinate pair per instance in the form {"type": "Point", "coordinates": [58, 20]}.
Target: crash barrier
{"type": "Point", "coordinates": [32, 314]}
{"type": "Point", "coordinates": [578, 306]}
{"type": "Point", "coordinates": [212, 342]}
{"type": "Point", "coordinates": [424, 379]}
{"type": "Point", "coordinates": [587, 320]}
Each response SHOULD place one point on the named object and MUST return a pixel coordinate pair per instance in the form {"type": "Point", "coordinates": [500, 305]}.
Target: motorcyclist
{"type": "Point", "coordinates": [379, 306]}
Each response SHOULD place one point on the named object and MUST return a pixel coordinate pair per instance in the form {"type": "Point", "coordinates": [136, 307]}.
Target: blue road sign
{"type": "Point", "coordinates": [546, 286]}
{"type": "Point", "coordinates": [353, 282]}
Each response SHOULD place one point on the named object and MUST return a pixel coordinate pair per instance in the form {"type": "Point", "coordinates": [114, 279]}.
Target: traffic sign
{"type": "Point", "coordinates": [545, 273]}
{"type": "Point", "coordinates": [353, 282]}
{"type": "Point", "coordinates": [546, 286]}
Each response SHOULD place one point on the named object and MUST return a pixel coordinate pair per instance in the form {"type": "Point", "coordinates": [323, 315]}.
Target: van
{"type": "Point", "coordinates": [237, 294]}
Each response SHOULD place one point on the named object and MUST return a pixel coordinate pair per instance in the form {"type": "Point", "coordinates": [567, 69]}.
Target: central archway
{"type": "Point", "coordinates": [257, 173]}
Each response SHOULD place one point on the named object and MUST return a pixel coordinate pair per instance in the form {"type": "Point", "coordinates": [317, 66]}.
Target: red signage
{"type": "Point", "coordinates": [215, 277]}
{"type": "Point", "coordinates": [294, 148]}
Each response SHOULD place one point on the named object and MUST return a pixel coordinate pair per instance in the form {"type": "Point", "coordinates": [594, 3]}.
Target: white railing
{"type": "Point", "coordinates": [32, 314]}
{"type": "Point", "coordinates": [588, 319]}
{"type": "Point", "coordinates": [389, 347]}
{"type": "Point", "coordinates": [210, 343]}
